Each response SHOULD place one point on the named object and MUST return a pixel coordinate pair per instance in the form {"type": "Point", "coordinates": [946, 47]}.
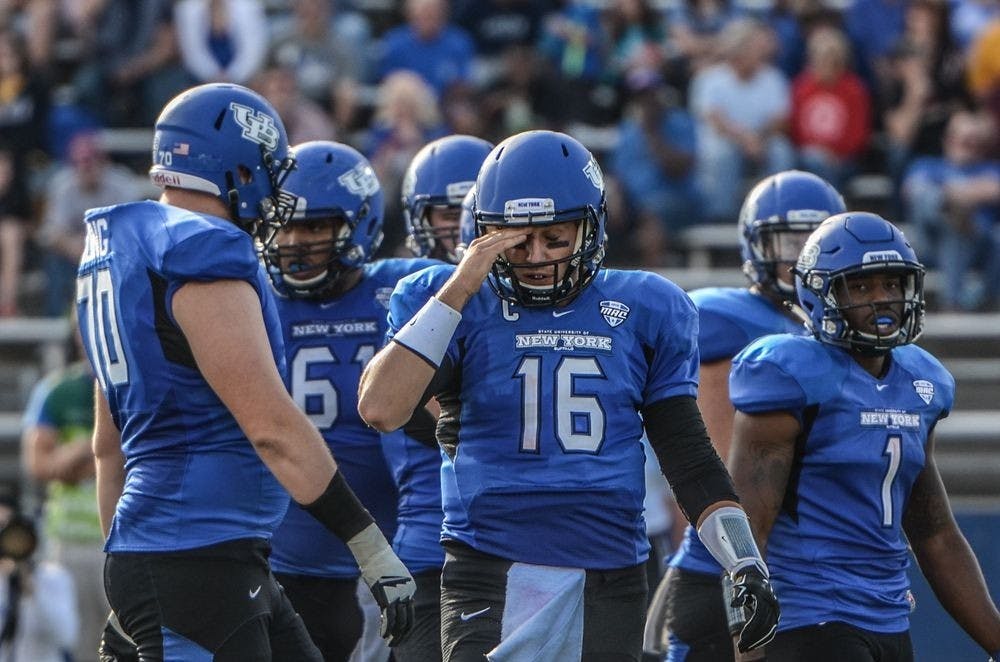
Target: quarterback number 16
{"type": "Point", "coordinates": [579, 418]}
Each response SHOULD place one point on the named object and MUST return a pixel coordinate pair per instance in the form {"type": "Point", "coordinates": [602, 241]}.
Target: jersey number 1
{"type": "Point", "coordinates": [894, 449]}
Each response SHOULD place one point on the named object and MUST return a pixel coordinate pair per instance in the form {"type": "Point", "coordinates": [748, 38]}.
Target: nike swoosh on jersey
{"type": "Point", "coordinates": [881, 387]}
{"type": "Point", "coordinates": [473, 614]}
{"type": "Point", "coordinates": [560, 313]}
{"type": "Point", "coordinates": [255, 592]}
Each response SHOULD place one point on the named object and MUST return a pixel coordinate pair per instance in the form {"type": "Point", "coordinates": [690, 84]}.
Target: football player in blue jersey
{"type": "Point", "coordinates": [196, 439]}
{"type": "Point", "coordinates": [547, 368]}
{"type": "Point", "coordinates": [833, 454]}
{"type": "Point", "coordinates": [332, 302]}
{"type": "Point", "coordinates": [436, 181]}
{"type": "Point", "coordinates": [777, 216]}
{"type": "Point", "coordinates": [433, 192]}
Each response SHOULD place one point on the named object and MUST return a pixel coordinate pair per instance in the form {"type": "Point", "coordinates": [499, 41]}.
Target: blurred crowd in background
{"type": "Point", "coordinates": [685, 103]}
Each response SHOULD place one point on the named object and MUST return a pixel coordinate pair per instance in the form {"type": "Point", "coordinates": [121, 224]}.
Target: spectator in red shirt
{"type": "Point", "coordinates": [831, 109]}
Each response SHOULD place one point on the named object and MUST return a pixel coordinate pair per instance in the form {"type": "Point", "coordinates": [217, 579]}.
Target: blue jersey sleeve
{"type": "Point", "coordinates": [783, 373]}
{"type": "Point", "coordinates": [719, 337]}
{"type": "Point", "coordinates": [212, 255]}
{"type": "Point", "coordinates": [205, 254]}
{"type": "Point", "coordinates": [925, 369]}
{"type": "Point", "coordinates": [673, 368]}
{"type": "Point", "coordinates": [411, 293]}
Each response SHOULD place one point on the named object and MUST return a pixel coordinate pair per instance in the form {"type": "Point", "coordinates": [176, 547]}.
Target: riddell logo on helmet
{"type": "Point", "coordinates": [165, 179]}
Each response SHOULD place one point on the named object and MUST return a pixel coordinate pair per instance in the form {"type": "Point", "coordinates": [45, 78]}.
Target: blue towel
{"type": "Point", "coordinates": [542, 616]}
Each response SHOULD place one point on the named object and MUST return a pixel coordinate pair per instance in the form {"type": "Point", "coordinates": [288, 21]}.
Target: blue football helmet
{"type": "Point", "coordinates": [439, 175]}
{"type": "Point", "coordinates": [857, 244]}
{"type": "Point", "coordinates": [228, 141]}
{"type": "Point", "coordinates": [539, 178]}
{"type": "Point", "coordinates": [466, 223]}
{"type": "Point", "coordinates": [777, 215]}
{"type": "Point", "coordinates": [332, 182]}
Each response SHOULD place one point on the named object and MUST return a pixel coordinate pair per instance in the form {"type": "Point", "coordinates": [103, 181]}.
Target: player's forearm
{"type": "Point", "coordinates": [295, 453]}
{"type": "Point", "coordinates": [110, 484]}
{"type": "Point", "coordinates": [391, 387]}
{"type": "Point", "coordinates": [953, 572]}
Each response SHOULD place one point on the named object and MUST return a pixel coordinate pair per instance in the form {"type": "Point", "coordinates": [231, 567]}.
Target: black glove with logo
{"type": "Point", "coordinates": [753, 593]}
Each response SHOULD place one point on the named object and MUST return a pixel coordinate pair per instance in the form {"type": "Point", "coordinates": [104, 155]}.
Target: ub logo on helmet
{"type": "Point", "coordinates": [257, 126]}
{"type": "Point", "coordinates": [227, 141]}
{"type": "Point", "coordinates": [852, 245]}
{"type": "Point", "coordinates": [594, 174]}
{"type": "Point", "coordinates": [540, 178]}
{"type": "Point", "coordinates": [360, 180]}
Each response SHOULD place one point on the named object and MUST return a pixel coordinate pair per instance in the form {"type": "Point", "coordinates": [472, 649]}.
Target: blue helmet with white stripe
{"type": "Point", "coordinates": [440, 175]}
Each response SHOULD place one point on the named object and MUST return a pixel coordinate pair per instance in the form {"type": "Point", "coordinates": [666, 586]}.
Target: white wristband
{"type": "Point", "coordinates": [727, 535]}
{"type": "Point", "coordinates": [429, 332]}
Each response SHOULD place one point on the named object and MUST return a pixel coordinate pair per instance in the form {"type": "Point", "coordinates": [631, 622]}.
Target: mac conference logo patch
{"type": "Point", "coordinates": [614, 312]}
{"type": "Point", "coordinates": [924, 389]}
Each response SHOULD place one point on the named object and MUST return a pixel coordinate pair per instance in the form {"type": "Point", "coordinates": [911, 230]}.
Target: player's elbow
{"type": "Point", "coordinates": [375, 412]}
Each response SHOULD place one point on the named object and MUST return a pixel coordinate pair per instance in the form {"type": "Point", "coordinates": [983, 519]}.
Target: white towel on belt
{"type": "Point", "coordinates": [542, 615]}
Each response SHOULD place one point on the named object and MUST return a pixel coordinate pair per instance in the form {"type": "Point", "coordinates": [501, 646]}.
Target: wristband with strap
{"type": "Point", "coordinates": [429, 332]}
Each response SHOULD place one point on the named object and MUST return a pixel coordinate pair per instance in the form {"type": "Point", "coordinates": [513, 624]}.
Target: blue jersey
{"type": "Point", "coordinates": [416, 468]}
{"type": "Point", "coordinates": [540, 414]}
{"type": "Point", "coordinates": [837, 551]}
{"type": "Point", "coordinates": [729, 318]}
{"type": "Point", "coordinates": [328, 343]}
{"type": "Point", "coordinates": [192, 477]}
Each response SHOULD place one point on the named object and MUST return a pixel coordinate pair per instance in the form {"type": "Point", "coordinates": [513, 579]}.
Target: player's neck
{"type": "Point", "coordinates": [875, 365]}
{"type": "Point", "coordinates": [196, 201]}
{"type": "Point", "coordinates": [776, 300]}
{"type": "Point", "coordinates": [347, 281]}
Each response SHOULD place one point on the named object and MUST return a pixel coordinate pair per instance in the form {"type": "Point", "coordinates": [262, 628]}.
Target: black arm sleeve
{"type": "Point", "coordinates": [422, 426]}
{"type": "Point", "coordinates": [687, 458]}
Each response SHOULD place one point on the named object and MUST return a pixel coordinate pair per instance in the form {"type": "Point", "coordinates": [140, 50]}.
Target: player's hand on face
{"type": "Point", "coordinates": [752, 591]}
{"type": "Point", "coordinates": [479, 257]}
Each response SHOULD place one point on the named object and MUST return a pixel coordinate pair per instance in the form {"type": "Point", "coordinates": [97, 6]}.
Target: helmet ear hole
{"type": "Point", "coordinates": [245, 174]}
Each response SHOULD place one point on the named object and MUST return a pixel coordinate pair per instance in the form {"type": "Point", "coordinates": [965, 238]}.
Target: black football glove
{"type": "Point", "coordinates": [752, 592]}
